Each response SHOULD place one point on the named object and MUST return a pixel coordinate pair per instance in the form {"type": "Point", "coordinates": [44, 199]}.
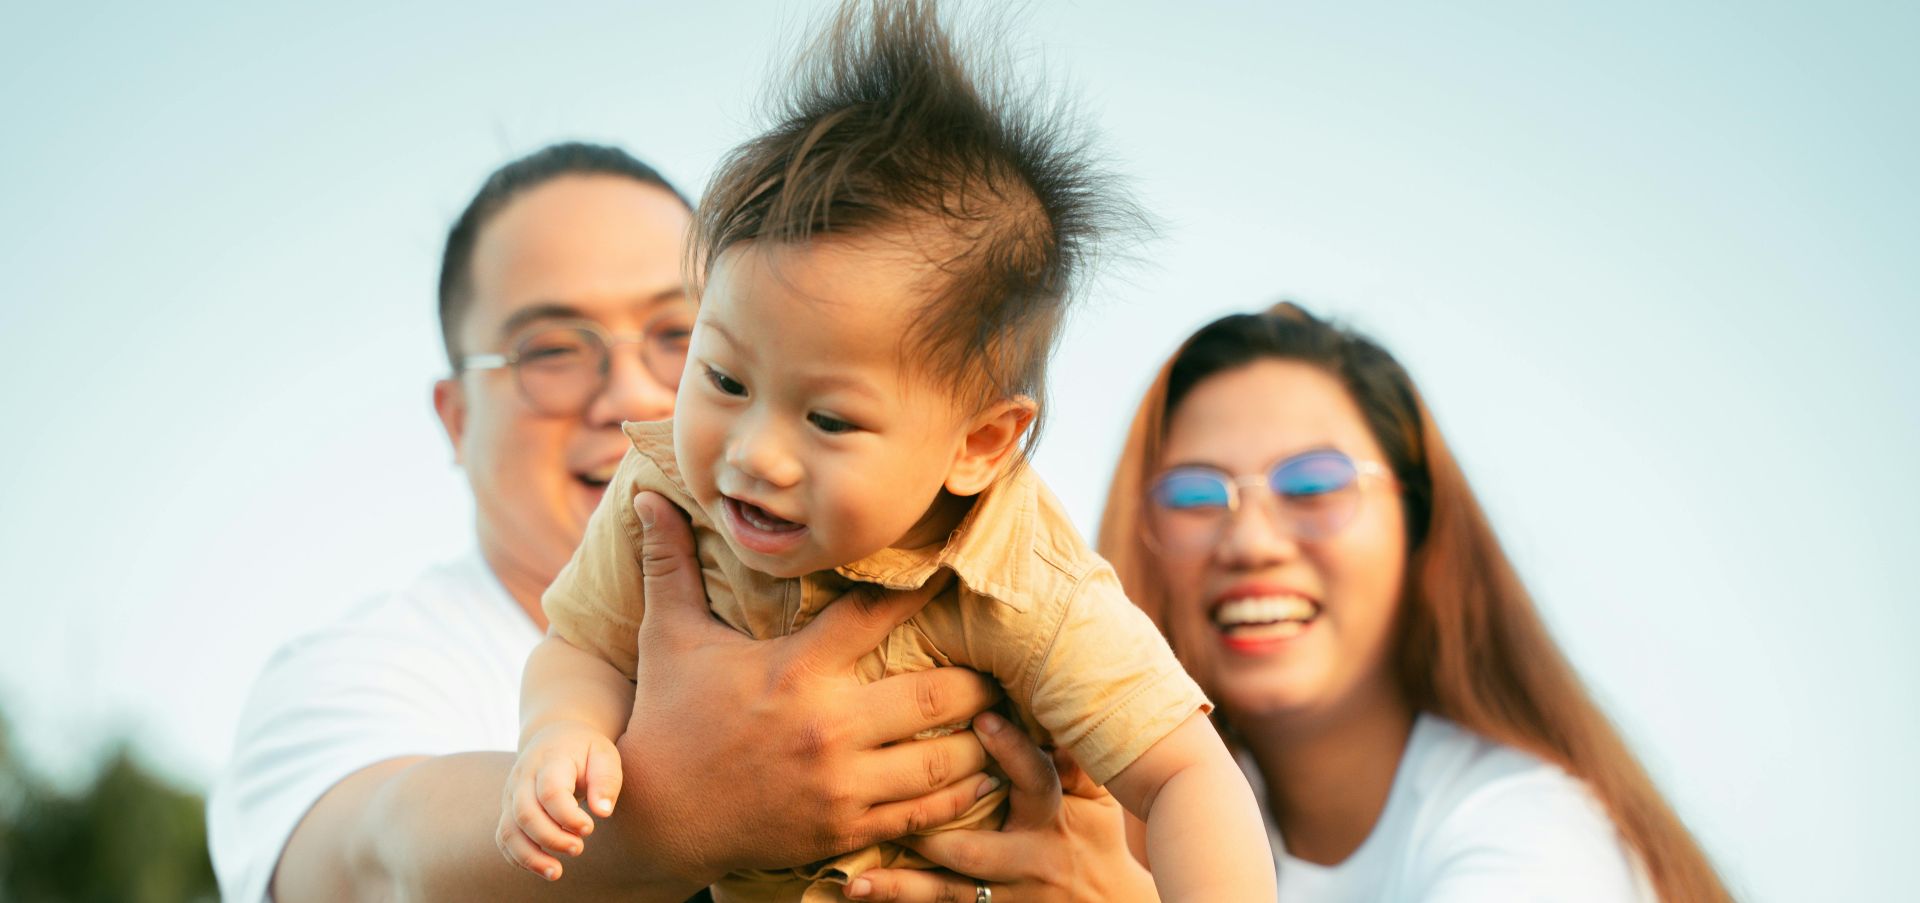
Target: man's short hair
{"type": "Point", "coordinates": [883, 125]}
{"type": "Point", "coordinates": [570, 158]}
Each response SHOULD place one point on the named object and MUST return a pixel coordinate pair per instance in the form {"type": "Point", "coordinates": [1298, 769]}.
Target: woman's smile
{"type": "Point", "coordinates": [1261, 619]}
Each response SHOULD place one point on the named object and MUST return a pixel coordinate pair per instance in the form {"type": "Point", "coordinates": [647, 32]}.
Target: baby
{"type": "Point", "coordinates": [882, 277]}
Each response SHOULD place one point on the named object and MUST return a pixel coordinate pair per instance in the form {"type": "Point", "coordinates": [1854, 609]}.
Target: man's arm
{"type": "Point", "coordinates": [739, 753]}
{"type": "Point", "coordinates": [422, 829]}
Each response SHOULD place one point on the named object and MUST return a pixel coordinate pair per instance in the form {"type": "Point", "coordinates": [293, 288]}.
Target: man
{"type": "Point", "coordinates": [371, 757]}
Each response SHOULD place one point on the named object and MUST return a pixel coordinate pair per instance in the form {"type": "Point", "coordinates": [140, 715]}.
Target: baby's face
{"type": "Point", "coordinates": [798, 428]}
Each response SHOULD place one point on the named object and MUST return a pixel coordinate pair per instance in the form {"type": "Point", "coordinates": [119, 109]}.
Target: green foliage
{"type": "Point", "coordinates": [128, 836]}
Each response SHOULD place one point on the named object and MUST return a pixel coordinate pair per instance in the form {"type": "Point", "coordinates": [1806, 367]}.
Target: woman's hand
{"type": "Point", "coordinates": [1054, 845]}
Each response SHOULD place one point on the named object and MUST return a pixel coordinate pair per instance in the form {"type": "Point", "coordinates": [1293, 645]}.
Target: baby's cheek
{"type": "Point", "coordinates": [848, 503]}
{"type": "Point", "coordinates": [696, 450]}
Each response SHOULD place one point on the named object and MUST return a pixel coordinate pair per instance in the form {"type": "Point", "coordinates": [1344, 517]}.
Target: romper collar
{"type": "Point", "coordinates": [988, 552]}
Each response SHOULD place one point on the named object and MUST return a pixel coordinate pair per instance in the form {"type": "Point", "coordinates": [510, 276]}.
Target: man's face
{"type": "Point", "coordinates": [603, 249]}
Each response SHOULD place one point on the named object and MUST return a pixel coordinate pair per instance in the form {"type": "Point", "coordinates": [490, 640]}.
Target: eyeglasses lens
{"type": "Point", "coordinates": [561, 369]}
{"type": "Point", "coordinates": [1187, 507]}
{"type": "Point", "coordinates": [1187, 490]}
{"type": "Point", "coordinates": [1318, 492]}
{"type": "Point", "coordinates": [664, 344]}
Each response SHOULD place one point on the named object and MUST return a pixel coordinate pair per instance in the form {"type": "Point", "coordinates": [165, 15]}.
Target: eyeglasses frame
{"type": "Point", "coordinates": [608, 339]}
{"type": "Point", "coordinates": [1363, 467]}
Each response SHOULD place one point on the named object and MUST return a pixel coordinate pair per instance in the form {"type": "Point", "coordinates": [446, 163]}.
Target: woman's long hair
{"type": "Point", "coordinates": [1471, 648]}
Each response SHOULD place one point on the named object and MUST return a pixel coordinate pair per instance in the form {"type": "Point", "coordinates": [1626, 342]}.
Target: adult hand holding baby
{"type": "Point", "coordinates": [1064, 839]}
{"type": "Point", "coordinates": [794, 766]}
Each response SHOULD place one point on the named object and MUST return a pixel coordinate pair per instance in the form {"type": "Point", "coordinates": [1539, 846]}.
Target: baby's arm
{"type": "Point", "coordinates": [573, 704]}
{"type": "Point", "coordinates": [1205, 839]}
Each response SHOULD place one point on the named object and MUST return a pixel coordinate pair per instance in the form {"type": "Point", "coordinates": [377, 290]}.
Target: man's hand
{"type": "Point", "coordinates": [1054, 846]}
{"type": "Point", "coordinates": [747, 753]}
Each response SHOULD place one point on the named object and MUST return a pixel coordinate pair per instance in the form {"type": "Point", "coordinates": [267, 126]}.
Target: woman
{"type": "Point", "coordinates": [1288, 513]}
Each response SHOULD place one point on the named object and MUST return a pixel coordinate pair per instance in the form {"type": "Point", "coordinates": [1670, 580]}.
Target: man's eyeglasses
{"type": "Point", "coordinates": [1315, 494]}
{"type": "Point", "coordinates": [563, 365]}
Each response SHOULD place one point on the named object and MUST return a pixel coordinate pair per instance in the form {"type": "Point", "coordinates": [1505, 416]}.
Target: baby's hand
{"type": "Point", "coordinates": [540, 817]}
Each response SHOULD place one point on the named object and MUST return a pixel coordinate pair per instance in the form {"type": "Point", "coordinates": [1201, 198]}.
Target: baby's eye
{"type": "Point", "coordinates": [725, 383]}
{"type": "Point", "coordinates": [829, 424]}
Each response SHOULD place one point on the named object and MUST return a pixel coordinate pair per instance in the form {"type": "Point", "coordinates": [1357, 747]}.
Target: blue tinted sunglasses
{"type": "Point", "coordinates": [1317, 493]}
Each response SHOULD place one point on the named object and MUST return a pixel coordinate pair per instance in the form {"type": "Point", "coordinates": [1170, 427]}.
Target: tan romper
{"type": "Point", "coordinates": [1032, 606]}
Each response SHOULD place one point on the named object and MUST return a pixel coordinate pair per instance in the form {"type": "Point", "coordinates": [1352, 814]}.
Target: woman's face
{"type": "Point", "coordinates": [1345, 586]}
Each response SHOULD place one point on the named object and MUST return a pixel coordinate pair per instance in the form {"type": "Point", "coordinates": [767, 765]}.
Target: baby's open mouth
{"type": "Point", "coordinates": [1265, 617]}
{"type": "Point", "coordinates": [760, 518]}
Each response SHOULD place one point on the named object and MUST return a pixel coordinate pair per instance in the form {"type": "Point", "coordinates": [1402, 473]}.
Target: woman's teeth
{"type": "Point", "coordinates": [1265, 616]}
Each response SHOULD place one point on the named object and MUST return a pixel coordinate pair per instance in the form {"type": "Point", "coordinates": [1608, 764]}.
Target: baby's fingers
{"type": "Point", "coordinates": [532, 818]}
{"type": "Point", "coordinates": [523, 852]}
{"type": "Point", "coordinates": [555, 785]}
{"type": "Point", "coordinates": [603, 777]}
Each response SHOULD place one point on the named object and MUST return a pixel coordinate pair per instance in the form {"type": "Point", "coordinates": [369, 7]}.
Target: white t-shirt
{"type": "Point", "coordinates": [429, 670]}
{"type": "Point", "coordinates": [1469, 820]}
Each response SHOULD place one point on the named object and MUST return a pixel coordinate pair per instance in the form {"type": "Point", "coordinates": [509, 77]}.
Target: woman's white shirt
{"type": "Point", "coordinates": [1472, 820]}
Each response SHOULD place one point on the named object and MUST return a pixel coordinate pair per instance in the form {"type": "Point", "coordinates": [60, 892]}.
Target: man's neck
{"type": "Point", "coordinates": [1328, 780]}
{"type": "Point", "coordinates": [522, 581]}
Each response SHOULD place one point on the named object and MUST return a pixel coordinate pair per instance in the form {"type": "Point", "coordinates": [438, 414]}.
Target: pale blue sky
{"type": "Point", "coordinates": [1653, 264]}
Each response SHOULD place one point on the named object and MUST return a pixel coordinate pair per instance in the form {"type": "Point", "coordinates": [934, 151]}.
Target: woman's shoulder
{"type": "Point", "coordinates": [1468, 789]}
{"type": "Point", "coordinates": [1447, 765]}
{"type": "Point", "coordinates": [1490, 819]}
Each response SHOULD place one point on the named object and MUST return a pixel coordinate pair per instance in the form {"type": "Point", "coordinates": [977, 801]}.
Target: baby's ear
{"type": "Point", "coordinates": [991, 439]}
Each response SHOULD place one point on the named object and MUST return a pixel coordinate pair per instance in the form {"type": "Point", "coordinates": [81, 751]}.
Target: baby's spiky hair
{"type": "Point", "coordinates": [884, 126]}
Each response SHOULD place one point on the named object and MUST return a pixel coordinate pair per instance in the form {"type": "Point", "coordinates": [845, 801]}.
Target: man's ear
{"type": "Point", "coordinates": [450, 402]}
{"type": "Point", "coordinates": [991, 440]}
